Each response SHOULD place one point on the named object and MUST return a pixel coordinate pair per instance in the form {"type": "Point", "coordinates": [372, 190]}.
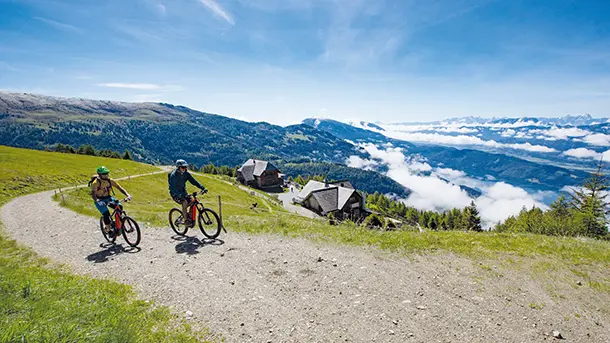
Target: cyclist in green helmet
{"type": "Point", "coordinates": [101, 189]}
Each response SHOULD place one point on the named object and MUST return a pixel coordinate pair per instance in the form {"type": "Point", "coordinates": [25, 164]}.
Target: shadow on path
{"type": "Point", "coordinates": [110, 251]}
{"type": "Point", "coordinates": [190, 245]}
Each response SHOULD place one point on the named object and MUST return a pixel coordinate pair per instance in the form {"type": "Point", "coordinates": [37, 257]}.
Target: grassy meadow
{"type": "Point", "coordinates": [151, 204]}
{"type": "Point", "coordinates": [40, 303]}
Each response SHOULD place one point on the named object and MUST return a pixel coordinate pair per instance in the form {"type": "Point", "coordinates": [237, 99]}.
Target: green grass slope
{"type": "Point", "coordinates": [152, 203]}
{"type": "Point", "coordinates": [38, 302]}
{"type": "Point", "coordinates": [26, 171]}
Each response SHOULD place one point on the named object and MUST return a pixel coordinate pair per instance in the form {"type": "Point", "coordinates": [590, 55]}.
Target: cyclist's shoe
{"type": "Point", "coordinates": [108, 228]}
{"type": "Point", "coordinates": [189, 223]}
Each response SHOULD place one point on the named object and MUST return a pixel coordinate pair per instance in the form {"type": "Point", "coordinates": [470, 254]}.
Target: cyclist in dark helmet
{"type": "Point", "coordinates": [177, 188]}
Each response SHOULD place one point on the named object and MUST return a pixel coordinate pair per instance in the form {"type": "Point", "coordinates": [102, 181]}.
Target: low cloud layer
{"type": "Point", "coordinates": [584, 153]}
{"type": "Point", "coordinates": [598, 139]}
{"type": "Point", "coordinates": [581, 153]}
{"type": "Point", "coordinates": [498, 201]}
{"type": "Point", "coordinates": [463, 140]}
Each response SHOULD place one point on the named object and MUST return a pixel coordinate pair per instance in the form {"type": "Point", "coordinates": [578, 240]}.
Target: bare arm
{"type": "Point", "coordinates": [116, 184]}
{"type": "Point", "coordinates": [93, 194]}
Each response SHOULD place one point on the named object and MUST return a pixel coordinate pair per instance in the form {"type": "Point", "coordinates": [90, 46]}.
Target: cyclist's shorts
{"type": "Point", "coordinates": [104, 208]}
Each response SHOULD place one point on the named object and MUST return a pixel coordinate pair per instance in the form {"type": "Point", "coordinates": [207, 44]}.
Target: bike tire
{"type": "Point", "coordinates": [209, 223]}
{"type": "Point", "coordinates": [179, 229]}
{"type": "Point", "coordinates": [131, 226]}
{"type": "Point", "coordinates": [109, 238]}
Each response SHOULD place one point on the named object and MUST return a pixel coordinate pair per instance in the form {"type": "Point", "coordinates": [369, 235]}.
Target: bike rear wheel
{"type": "Point", "coordinates": [209, 223]}
{"type": "Point", "coordinates": [176, 221]}
{"type": "Point", "coordinates": [108, 236]}
{"type": "Point", "coordinates": [131, 232]}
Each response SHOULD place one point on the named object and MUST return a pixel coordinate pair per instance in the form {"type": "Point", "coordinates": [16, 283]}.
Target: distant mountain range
{"type": "Point", "coordinates": [157, 132]}
{"type": "Point", "coordinates": [161, 133]}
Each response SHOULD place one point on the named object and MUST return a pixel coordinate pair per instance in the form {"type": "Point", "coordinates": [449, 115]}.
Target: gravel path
{"type": "Point", "coordinates": [272, 289]}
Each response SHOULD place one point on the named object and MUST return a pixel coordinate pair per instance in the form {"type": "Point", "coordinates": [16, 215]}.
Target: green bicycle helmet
{"type": "Point", "coordinates": [102, 170]}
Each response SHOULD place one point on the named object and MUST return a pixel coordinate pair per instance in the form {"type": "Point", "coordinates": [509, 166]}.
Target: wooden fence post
{"type": "Point", "coordinates": [222, 225]}
{"type": "Point", "coordinates": [63, 200]}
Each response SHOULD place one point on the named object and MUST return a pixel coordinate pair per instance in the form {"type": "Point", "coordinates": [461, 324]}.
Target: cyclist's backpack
{"type": "Point", "coordinates": [93, 178]}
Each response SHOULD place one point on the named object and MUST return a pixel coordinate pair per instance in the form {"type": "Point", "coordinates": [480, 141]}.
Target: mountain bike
{"type": "Point", "coordinates": [208, 220]}
{"type": "Point", "coordinates": [120, 223]}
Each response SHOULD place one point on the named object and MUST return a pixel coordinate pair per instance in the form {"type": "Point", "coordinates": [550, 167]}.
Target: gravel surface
{"type": "Point", "coordinates": [272, 289]}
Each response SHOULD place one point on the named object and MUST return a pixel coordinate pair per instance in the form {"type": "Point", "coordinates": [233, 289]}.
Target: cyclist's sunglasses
{"type": "Point", "coordinates": [104, 174]}
{"type": "Point", "coordinates": [182, 167]}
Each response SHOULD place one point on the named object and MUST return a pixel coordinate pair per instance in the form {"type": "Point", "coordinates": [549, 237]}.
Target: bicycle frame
{"type": "Point", "coordinates": [117, 214]}
{"type": "Point", "coordinates": [117, 211]}
{"type": "Point", "coordinates": [194, 206]}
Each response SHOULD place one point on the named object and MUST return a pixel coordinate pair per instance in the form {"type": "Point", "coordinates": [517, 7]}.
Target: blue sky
{"type": "Point", "coordinates": [284, 60]}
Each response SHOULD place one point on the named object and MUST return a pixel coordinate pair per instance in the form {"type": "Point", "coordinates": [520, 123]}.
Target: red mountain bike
{"type": "Point", "coordinates": [208, 220]}
{"type": "Point", "coordinates": [121, 224]}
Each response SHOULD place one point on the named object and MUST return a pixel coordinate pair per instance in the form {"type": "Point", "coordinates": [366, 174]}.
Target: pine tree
{"type": "Point", "coordinates": [127, 155]}
{"type": "Point", "coordinates": [86, 150]}
{"type": "Point", "coordinates": [472, 220]}
{"type": "Point", "coordinates": [591, 205]}
{"type": "Point", "coordinates": [432, 223]}
{"type": "Point", "coordinates": [561, 206]}
{"type": "Point", "coordinates": [300, 180]}
{"type": "Point", "coordinates": [450, 221]}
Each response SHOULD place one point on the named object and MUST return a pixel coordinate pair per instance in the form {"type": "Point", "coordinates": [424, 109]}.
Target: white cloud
{"type": "Point", "coordinates": [498, 201]}
{"type": "Point", "coordinates": [58, 25]}
{"type": "Point", "coordinates": [546, 138]}
{"type": "Point", "coordinates": [565, 133]}
{"type": "Point", "coordinates": [503, 200]}
{"type": "Point", "coordinates": [394, 157]}
{"type": "Point", "coordinates": [358, 162]}
{"type": "Point", "coordinates": [530, 147]}
{"type": "Point", "coordinates": [140, 86]}
{"type": "Point", "coordinates": [449, 173]}
{"type": "Point", "coordinates": [463, 140]}
{"type": "Point", "coordinates": [508, 133]}
{"type": "Point", "coordinates": [523, 134]}
{"type": "Point", "coordinates": [581, 153]}
{"type": "Point", "coordinates": [213, 6]}
{"type": "Point", "coordinates": [419, 166]}
{"type": "Point", "coordinates": [457, 129]}
{"type": "Point", "coordinates": [598, 139]}
{"type": "Point", "coordinates": [160, 8]}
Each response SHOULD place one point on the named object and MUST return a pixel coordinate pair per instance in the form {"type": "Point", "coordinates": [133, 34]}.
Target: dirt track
{"type": "Point", "coordinates": [273, 289]}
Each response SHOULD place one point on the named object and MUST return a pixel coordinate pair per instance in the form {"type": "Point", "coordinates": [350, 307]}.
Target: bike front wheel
{"type": "Point", "coordinates": [176, 221]}
{"type": "Point", "coordinates": [131, 232]}
{"type": "Point", "coordinates": [209, 223]}
{"type": "Point", "coordinates": [110, 238]}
